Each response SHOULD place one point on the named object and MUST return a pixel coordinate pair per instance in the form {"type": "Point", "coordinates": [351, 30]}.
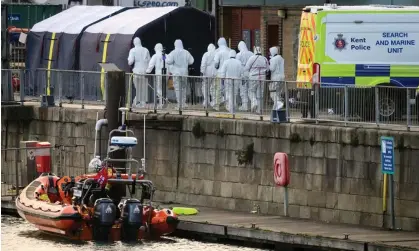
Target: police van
{"type": "Point", "coordinates": [360, 46]}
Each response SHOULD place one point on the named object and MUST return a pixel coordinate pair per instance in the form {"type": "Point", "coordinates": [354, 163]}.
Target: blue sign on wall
{"type": "Point", "coordinates": [14, 17]}
{"type": "Point", "coordinates": [387, 155]}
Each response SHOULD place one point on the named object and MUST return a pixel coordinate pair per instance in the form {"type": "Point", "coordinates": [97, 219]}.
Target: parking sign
{"type": "Point", "coordinates": [387, 155]}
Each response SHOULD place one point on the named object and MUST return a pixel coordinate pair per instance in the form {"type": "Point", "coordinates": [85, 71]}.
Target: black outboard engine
{"type": "Point", "coordinates": [132, 219]}
{"type": "Point", "coordinates": [103, 218]}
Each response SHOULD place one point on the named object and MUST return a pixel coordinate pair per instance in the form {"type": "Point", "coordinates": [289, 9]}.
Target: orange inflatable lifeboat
{"type": "Point", "coordinates": [79, 208]}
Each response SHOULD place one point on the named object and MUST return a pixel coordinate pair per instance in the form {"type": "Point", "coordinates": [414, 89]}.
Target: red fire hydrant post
{"type": "Point", "coordinates": [43, 157]}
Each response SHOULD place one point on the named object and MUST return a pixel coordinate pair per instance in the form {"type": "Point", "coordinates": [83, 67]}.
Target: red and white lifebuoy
{"type": "Point", "coordinates": [281, 170]}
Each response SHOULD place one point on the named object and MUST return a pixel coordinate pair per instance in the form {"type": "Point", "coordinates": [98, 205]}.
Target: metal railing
{"type": "Point", "coordinates": [18, 165]}
{"type": "Point", "coordinates": [236, 98]}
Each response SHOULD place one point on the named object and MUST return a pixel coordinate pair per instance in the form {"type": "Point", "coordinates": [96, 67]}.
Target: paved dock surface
{"type": "Point", "coordinates": [237, 225]}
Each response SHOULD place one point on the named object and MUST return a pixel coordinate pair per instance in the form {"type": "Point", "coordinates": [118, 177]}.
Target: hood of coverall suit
{"type": "Point", "coordinates": [232, 54]}
{"type": "Point", "coordinates": [222, 42]}
{"type": "Point", "coordinates": [273, 51]}
{"type": "Point", "coordinates": [178, 44]}
{"type": "Point", "coordinates": [137, 42]}
{"type": "Point", "coordinates": [242, 46]}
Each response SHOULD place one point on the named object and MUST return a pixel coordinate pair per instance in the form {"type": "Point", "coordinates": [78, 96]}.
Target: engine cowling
{"type": "Point", "coordinates": [132, 214]}
{"type": "Point", "coordinates": [103, 218]}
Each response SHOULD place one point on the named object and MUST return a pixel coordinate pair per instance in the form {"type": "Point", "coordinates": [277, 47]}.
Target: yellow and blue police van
{"type": "Point", "coordinates": [360, 46]}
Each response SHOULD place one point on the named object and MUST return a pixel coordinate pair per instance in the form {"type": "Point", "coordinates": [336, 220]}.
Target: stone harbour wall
{"type": "Point", "coordinates": [224, 163]}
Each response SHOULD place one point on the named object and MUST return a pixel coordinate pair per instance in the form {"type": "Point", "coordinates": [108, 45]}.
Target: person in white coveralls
{"type": "Point", "coordinates": [157, 62]}
{"type": "Point", "coordinates": [179, 60]}
{"type": "Point", "coordinates": [256, 67]}
{"type": "Point", "coordinates": [139, 56]}
{"type": "Point", "coordinates": [232, 70]}
{"type": "Point", "coordinates": [208, 72]}
{"type": "Point", "coordinates": [244, 55]}
{"type": "Point", "coordinates": [276, 66]}
{"type": "Point", "coordinates": [221, 55]}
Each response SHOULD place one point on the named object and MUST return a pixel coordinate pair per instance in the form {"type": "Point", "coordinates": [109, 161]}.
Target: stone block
{"type": "Point", "coordinates": [236, 142]}
{"type": "Point", "coordinates": [204, 171]}
{"type": "Point", "coordinates": [316, 199]}
{"type": "Point", "coordinates": [408, 224]}
{"type": "Point", "coordinates": [243, 205]}
{"type": "Point", "coordinates": [280, 145]}
{"type": "Point", "coordinates": [227, 189]}
{"type": "Point", "coordinates": [349, 217]}
{"type": "Point", "coordinates": [197, 186]}
{"type": "Point", "coordinates": [297, 180]}
{"type": "Point", "coordinates": [225, 203]}
{"type": "Point", "coordinates": [249, 192]}
{"type": "Point", "coordinates": [371, 219]}
{"type": "Point", "coordinates": [297, 197]}
{"type": "Point", "coordinates": [230, 158]}
{"type": "Point", "coordinates": [233, 174]}
{"type": "Point", "coordinates": [165, 168]}
{"type": "Point", "coordinates": [187, 170]}
{"type": "Point", "coordinates": [250, 176]}
{"type": "Point", "coordinates": [267, 177]}
{"type": "Point", "coordinates": [278, 195]}
{"type": "Point", "coordinates": [344, 186]}
{"type": "Point", "coordinates": [228, 126]}
{"type": "Point", "coordinates": [329, 215]}
{"type": "Point", "coordinates": [409, 192]}
{"type": "Point", "coordinates": [216, 188]}
{"type": "Point", "coordinates": [305, 212]}
{"type": "Point", "coordinates": [265, 130]}
{"type": "Point", "coordinates": [245, 127]}
{"type": "Point", "coordinates": [408, 208]}
{"type": "Point", "coordinates": [408, 174]}
{"type": "Point", "coordinates": [347, 202]}
{"type": "Point", "coordinates": [318, 182]}
{"type": "Point", "coordinates": [368, 204]}
{"type": "Point", "coordinates": [332, 200]}
{"type": "Point", "coordinates": [333, 151]}
{"type": "Point", "coordinates": [297, 164]}
{"type": "Point", "coordinates": [265, 193]}
{"type": "Point", "coordinates": [316, 165]}
{"type": "Point", "coordinates": [355, 169]}
{"type": "Point", "coordinates": [297, 148]}
{"type": "Point", "coordinates": [275, 208]}
{"type": "Point", "coordinates": [347, 152]}
{"type": "Point", "coordinates": [318, 149]}
{"type": "Point", "coordinates": [308, 181]}
{"type": "Point", "coordinates": [284, 130]}
{"type": "Point", "coordinates": [263, 161]}
{"type": "Point", "coordinates": [220, 173]}
{"type": "Point", "coordinates": [294, 211]}
{"type": "Point", "coordinates": [366, 187]}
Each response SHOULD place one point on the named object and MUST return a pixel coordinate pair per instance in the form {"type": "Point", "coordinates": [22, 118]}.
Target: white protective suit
{"type": "Point", "coordinates": [139, 56]}
{"type": "Point", "coordinates": [276, 66]}
{"type": "Point", "coordinates": [221, 55]}
{"type": "Point", "coordinates": [157, 62]}
{"type": "Point", "coordinates": [208, 72]}
{"type": "Point", "coordinates": [232, 70]}
{"type": "Point", "coordinates": [256, 66]}
{"type": "Point", "coordinates": [243, 56]}
{"type": "Point", "coordinates": [179, 59]}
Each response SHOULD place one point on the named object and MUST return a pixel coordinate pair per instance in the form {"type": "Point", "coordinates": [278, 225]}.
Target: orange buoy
{"type": "Point", "coordinates": [281, 169]}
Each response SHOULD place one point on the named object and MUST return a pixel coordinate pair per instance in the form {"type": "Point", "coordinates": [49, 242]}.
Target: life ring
{"type": "Point", "coordinates": [281, 169]}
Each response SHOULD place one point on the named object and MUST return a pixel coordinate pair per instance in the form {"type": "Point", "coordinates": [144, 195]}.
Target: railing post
{"type": "Point", "coordinates": [180, 86]}
{"type": "Point", "coordinates": [22, 86]}
{"type": "Point", "coordinates": [60, 89]}
{"type": "Point", "coordinates": [376, 102]}
{"type": "Point", "coordinates": [286, 102]}
{"type": "Point", "coordinates": [17, 171]}
{"type": "Point", "coordinates": [408, 109]}
{"type": "Point", "coordinates": [207, 95]}
{"type": "Point", "coordinates": [346, 104]}
{"type": "Point", "coordinates": [82, 89]}
{"type": "Point", "coordinates": [260, 98]}
{"type": "Point", "coordinates": [316, 101]}
{"type": "Point", "coordinates": [233, 98]}
{"type": "Point", "coordinates": [155, 91]}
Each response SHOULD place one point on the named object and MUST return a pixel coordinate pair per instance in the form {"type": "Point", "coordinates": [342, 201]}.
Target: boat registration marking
{"type": "Point", "coordinates": [77, 193]}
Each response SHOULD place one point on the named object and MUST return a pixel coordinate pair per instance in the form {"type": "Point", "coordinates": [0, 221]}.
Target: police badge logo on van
{"type": "Point", "coordinates": [340, 42]}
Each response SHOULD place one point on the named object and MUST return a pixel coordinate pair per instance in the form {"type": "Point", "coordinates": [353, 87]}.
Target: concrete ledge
{"type": "Point", "coordinates": [202, 228]}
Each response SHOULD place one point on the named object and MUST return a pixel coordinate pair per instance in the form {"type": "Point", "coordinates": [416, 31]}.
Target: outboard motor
{"type": "Point", "coordinates": [103, 218]}
{"type": "Point", "coordinates": [132, 214]}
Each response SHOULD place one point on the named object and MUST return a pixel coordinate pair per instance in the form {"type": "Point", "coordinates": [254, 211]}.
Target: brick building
{"type": "Point", "coordinates": [268, 23]}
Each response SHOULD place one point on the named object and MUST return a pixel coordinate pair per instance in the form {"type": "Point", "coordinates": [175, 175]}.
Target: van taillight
{"type": "Point", "coordinates": [316, 73]}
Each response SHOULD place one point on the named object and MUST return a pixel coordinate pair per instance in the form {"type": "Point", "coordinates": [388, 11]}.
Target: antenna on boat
{"type": "Point", "coordinates": [143, 159]}
{"type": "Point", "coordinates": [94, 152]}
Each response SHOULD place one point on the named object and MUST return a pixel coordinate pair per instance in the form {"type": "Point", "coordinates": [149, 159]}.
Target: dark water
{"type": "Point", "coordinates": [16, 235]}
